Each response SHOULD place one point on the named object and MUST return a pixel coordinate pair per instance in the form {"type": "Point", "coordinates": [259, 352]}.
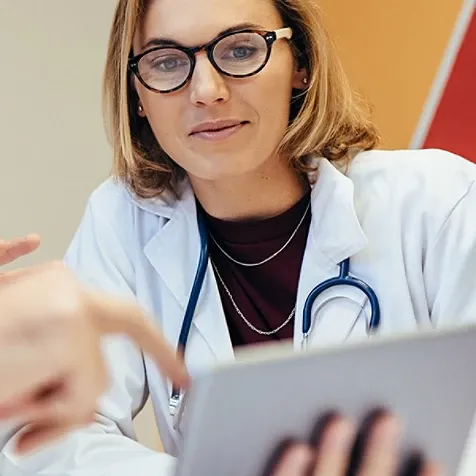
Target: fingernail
{"type": "Point", "coordinates": [433, 470]}
{"type": "Point", "coordinates": [387, 432]}
{"type": "Point", "coordinates": [298, 458]}
{"type": "Point", "coordinates": [341, 434]}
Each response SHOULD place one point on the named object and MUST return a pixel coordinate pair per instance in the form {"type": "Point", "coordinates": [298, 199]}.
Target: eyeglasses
{"type": "Point", "coordinates": [239, 54]}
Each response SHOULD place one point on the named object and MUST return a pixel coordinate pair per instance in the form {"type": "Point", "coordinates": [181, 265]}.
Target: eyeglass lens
{"type": "Point", "coordinates": [239, 54]}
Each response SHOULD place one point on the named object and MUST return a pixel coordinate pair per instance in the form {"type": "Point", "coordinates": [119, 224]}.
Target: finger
{"type": "Point", "coordinates": [35, 405]}
{"type": "Point", "coordinates": [40, 361]}
{"type": "Point", "coordinates": [295, 462]}
{"type": "Point", "coordinates": [380, 456]}
{"type": "Point", "coordinates": [432, 470]}
{"type": "Point", "coordinates": [335, 448]}
{"type": "Point", "coordinates": [43, 434]}
{"type": "Point", "coordinates": [26, 409]}
{"type": "Point", "coordinates": [14, 249]}
{"type": "Point", "coordinates": [27, 383]}
{"type": "Point", "coordinates": [57, 404]}
{"type": "Point", "coordinates": [32, 272]}
{"type": "Point", "coordinates": [417, 466]}
{"type": "Point", "coordinates": [115, 316]}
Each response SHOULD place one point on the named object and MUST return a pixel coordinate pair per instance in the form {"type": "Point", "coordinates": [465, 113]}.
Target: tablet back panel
{"type": "Point", "coordinates": [238, 413]}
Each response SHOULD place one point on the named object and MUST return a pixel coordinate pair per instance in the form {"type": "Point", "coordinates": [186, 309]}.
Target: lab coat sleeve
{"type": "Point", "coordinates": [106, 448]}
{"type": "Point", "coordinates": [450, 266]}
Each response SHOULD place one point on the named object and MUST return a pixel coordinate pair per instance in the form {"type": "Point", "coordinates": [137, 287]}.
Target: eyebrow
{"type": "Point", "coordinates": [162, 41]}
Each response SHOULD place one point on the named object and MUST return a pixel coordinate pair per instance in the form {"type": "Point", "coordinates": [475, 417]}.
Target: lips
{"type": "Point", "coordinates": [216, 126]}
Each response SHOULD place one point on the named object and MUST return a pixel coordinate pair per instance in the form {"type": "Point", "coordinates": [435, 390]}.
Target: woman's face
{"type": "Point", "coordinates": [258, 104]}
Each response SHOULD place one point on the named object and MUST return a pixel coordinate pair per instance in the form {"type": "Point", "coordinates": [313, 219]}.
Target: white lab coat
{"type": "Point", "coordinates": [407, 219]}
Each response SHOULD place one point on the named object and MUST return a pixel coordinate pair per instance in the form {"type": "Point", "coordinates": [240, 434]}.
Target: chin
{"type": "Point", "coordinates": [223, 166]}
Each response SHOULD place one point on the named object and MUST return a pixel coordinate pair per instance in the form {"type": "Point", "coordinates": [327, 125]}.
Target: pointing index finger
{"type": "Point", "coordinates": [114, 316]}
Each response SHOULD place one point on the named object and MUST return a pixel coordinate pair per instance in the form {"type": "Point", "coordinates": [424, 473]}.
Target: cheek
{"type": "Point", "coordinates": [273, 98]}
{"type": "Point", "coordinates": [163, 117]}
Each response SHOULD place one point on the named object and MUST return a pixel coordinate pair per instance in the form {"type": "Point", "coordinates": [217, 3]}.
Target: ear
{"type": "Point", "coordinates": [140, 110]}
{"type": "Point", "coordinates": [134, 92]}
{"type": "Point", "coordinates": [300, 79]}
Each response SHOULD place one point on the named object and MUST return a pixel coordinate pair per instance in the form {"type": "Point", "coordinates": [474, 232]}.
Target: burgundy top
{"type": "Point", "coordinates": [265, 294]}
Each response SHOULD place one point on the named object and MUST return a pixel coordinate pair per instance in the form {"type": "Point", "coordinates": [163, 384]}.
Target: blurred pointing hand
{"type": "Point", "coordinates": [51, 366]}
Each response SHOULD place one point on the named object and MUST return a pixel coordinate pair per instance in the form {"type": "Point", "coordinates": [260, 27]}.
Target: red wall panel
{"type": "Point", "coordinates": [453, 126]}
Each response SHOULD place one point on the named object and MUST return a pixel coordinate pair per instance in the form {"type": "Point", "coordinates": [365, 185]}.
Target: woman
{"type": "Point", "coordinates": [258, 131]}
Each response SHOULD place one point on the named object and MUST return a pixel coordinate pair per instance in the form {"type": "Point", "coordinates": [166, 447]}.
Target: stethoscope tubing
{"type": "Point", "coordinates": [344, 279]}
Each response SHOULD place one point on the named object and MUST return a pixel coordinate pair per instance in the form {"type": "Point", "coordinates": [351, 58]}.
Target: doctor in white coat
{"type": "Point", "coordinates": [240, 110]}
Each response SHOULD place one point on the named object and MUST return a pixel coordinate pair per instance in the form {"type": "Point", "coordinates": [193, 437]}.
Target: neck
{"type": "Point", "coordinates": [261, 194]}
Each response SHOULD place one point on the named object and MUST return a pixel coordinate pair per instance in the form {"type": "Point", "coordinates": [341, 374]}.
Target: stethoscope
{"type": "Point", "coordinates": [343, 279]}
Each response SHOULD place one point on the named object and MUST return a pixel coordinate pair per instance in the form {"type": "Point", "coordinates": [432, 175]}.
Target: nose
{"type": "Point", "coordinates": [207, 85]}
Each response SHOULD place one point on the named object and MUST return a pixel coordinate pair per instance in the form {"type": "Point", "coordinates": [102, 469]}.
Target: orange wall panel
{"type": "Point", "coordinates": [392, 50]}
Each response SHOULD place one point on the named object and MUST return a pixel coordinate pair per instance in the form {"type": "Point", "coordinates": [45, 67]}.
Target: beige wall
{"type": "Point", "coordinates": [53, 149]}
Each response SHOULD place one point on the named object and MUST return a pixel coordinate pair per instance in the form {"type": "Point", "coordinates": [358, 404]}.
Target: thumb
{"type": "Point", "coordinates": [114, 316]}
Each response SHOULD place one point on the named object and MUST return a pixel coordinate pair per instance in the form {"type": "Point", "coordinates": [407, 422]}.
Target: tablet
{"type": "Point", "coordinates": [237, 414]}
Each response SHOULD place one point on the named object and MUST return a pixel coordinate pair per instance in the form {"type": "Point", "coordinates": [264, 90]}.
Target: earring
{"type": "Point", "coordinates": [305, 80]}
{"type": "Point", "coordinates": [140, 109]}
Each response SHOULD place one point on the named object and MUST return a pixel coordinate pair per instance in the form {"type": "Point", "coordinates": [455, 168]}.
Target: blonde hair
{"type": "Point", "coordinates": [329, 119]}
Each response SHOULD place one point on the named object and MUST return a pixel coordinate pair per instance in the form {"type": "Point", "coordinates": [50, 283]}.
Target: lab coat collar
{"type": "Point", "coordinates": [165, 204]}
{"type": "Point", "coordinates": [174, 251]}
{"type": "Point", "coordinates": [335, 227]}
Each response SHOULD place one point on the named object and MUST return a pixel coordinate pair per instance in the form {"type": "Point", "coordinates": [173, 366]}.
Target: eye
{"type": "Point", "coordinates": [239, 52]}
{"type": "Point", "coordinates": [164, 61]}
{"type": "Point", "coordinates": [243, 52]}
{"type": "Point", "coordinates": [168, 64]}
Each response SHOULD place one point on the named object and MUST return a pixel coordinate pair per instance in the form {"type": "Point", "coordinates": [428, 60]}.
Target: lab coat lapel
{"type": "Point", "coordinates": [334, 235]}
{"type": "Point", "coordinates": [174, 253]}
